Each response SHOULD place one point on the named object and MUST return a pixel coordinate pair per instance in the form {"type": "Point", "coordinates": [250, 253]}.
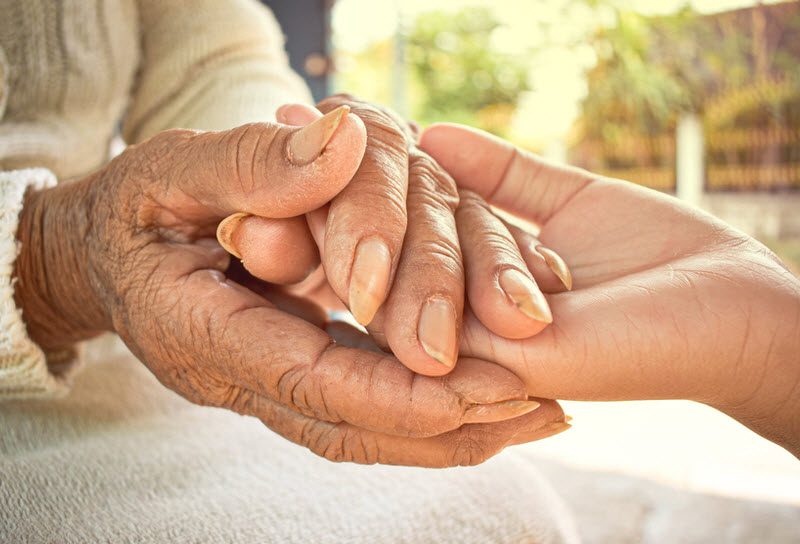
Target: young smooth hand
{"type": "Point", "coordinates": [668, 301]}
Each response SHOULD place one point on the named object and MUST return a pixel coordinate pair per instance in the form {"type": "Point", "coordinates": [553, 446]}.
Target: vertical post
{"type": "Point", "coordinates": [399, 99]}
{"type": "Point", "coordinates": [689, 167]}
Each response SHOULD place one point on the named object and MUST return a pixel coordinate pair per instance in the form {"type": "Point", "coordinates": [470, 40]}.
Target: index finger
{"type": "Point", "coordinates": [367, 221]}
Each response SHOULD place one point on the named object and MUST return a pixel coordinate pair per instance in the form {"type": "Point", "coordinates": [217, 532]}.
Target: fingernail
{"type": "Point", "coordinates": [226, 229]}
{"type": "Point", "coordinates": [525, 295]}
{"type": "Point", "coordinates": [308, 143]}
{"type": "Point", "coordinates": [551, 429]}
{"type": "Point", "coordinates": [556, 264]}
{"type": "Point", "coordinates": [369, 279]}
{"type": "Point", "coordinates": [280, 113]}
{"type": "Point", "coordinates": [437, 331]}
{"type": "Point", "coordinates": [499, 411]}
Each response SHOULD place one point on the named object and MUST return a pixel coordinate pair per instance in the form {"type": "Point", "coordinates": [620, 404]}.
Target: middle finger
{"type": "Point", "coordinates": [423, 314]}
{"type": "Point", "coordinates": [366, 222]}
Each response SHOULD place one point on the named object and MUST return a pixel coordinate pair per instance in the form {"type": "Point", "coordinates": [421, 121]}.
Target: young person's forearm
{"type": "Point", "coordinates": [773, 408]}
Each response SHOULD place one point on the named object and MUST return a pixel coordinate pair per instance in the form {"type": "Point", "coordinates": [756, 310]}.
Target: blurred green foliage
{"type": "Point", "coordinates": [652, 69]}
{"type": "Point", "coordinates": [367, 73]}
{"type": "Point", "coordinates": [452, 71]}
{"type": "Point", "coordinates": [456, 73]}
{"type": "Point", "coordinates": [740, 66]}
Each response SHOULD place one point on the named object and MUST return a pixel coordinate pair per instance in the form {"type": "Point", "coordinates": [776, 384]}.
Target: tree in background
{"type": "Point", "coordinates": [456, 73]}
{"type": "Point", "coordinates": [453, 71]}
{"type": "Point", "coordinates": [629, 90]}
{"type": "Point", "coordinates": [652, 69]}
{"type": "Point", "coordinates": [737, 69]}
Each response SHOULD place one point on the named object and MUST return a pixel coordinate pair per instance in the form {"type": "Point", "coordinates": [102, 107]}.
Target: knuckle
{"type": "Point", "coordinates": [383, 125]}
{"type": "Point", "coordinates": [499, 246]}
{"type": "Point", "coordinates": [475, 212]}
{"type": "Point", "coordinates": [426, 176]}
{"type": "Point", "coordinates": [383, 130]}
{"type": "Point", "coordinates": [483, 231]}
{"type": "Point", "coordinates": [236, 398]}
{"type": "Point", "coordinates": [343, 443]}
{"type": "Point", "coordinates": [423, 164]}
{"type": "Point", "coordinates": [292, 387]}
{"type": "Point", "coordinates": [472, 447]}
{"type": "Point", "coordinates": [339, 99]}
{"type": "Point", "coordinates": [247, 154]}
{"type": "Point", "coordinates": [330, 446]}
{"type": "Point", "coordinates": [384, 191]}
{"type": "Point", "coordinates": [382, 186]}
{"type": "Point", "coordinates": [445, 252]}
{"type": "Point", "coordinates": [357, 447]}
{"type": "Point", "coordinates": [303, 390]}
{"type": "Point", "coordinates": [471, 199]}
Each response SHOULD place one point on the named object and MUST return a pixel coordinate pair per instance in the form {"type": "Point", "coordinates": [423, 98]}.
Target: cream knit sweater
{"type": "Point", "coordinates": [72, 70]}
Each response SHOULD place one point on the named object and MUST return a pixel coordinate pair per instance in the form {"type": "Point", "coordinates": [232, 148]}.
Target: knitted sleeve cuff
{"type": "Point", "coordinates": [25, 370]}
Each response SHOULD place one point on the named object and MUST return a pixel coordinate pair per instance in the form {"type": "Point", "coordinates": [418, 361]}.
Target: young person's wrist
{"type": "Point", "coordinates": [769, 370]}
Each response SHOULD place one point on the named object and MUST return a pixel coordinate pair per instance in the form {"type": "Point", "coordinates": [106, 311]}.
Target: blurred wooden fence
{"type": "Point", "coordinates": [743, 159]}
{"type": "Point", "coordinates": [647, 161]}
{"type": "Point", "coordinates": [750, 159]}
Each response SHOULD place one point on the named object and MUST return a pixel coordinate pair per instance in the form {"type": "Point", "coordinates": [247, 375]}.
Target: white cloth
{"type": "Point", "coordinates": [122, 459]}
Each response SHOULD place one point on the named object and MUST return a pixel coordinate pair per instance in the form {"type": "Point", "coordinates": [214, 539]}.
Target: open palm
{"type": "Point", "coordinates": [667, 301]}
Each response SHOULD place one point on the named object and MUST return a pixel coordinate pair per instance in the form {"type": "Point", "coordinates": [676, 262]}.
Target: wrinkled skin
{"type": "Point", "coordinates": [129, 249]}
{"type": "Point", "coordinates": [669, 302]}
{"type": "Point", "coordinates": [438, 237]}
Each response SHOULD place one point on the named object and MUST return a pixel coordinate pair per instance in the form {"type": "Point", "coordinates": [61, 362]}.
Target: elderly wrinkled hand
{"type": "Point", "coordinates": [130, 248]}
{"type": "Point", "coordinates": [399, 243]}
